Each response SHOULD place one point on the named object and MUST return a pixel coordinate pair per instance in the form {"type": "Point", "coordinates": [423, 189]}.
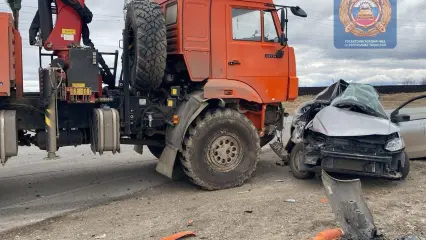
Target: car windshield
{"type": "Point", "coordinates": [361, 98]}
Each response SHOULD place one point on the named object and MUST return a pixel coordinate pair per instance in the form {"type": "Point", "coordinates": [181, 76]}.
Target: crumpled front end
{"type": "Point", "coordinates": [361, 155]}
{"type": "Point", "coordinates": [345, 129]}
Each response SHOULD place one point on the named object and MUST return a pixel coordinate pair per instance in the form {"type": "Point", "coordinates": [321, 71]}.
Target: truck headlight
{"type": "Point", "coordinates": [395, 144]}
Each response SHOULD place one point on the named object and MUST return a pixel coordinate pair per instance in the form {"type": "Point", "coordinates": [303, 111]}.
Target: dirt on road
{"type": "Point", "coordinates": [272, 205]}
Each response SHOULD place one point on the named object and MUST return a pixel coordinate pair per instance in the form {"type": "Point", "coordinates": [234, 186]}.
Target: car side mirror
{"type": "Point", "coordinates": [400, 118]}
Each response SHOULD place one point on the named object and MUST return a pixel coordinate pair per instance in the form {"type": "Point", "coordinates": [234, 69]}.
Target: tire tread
{"type": "Point", "coordinates": [148, 19]}
{"type": "Point", "coordinates": [201, 123]}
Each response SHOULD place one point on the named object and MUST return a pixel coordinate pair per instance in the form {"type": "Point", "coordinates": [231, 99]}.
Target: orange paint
{"type": "Point", "coordinates": [8, 57]}
{"type": "Point", "coordinates": [257, 119]}
{"type": "Point", "coordinates": [222, 88]}
{"type": "Point", "coordinates": [205, 33]}
{"type": "Point", "coordinates": [19, 75]}
{"type": "Point", "coordinates": [293, 85]}
{"type": "Point", "coordinates": [202, 31]}
{"type": "Point", "coordinates": [179, 235]}
{"type": "Point", "coordinates": [330, 234]}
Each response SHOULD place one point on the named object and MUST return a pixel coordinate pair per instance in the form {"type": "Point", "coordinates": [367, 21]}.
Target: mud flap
{"type": "Point", "coordinates": [278, 146]}
{"type": "Point", "coordinates": [279, 149]}
{"type": "Point", "coordinates": [166, 165]}
{"type": "Point", "coordinates": [8, 135]}
{"type": "Point", "coordinates": [187, 113]}
{"type": "Point", "coordinates": [138, 149]}
{"type": "Point", "coordinates": [349, 207]}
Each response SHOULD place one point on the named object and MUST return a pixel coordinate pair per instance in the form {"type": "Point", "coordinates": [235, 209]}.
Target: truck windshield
{"type": "Point", "coordinates": [361, 98]}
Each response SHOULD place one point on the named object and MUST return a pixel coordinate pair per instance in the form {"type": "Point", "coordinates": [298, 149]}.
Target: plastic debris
{"type": "Point", "coordinates": [329, 234]}
{"type": "Point", "coordinates": [179, 235]}
{"type": "Point", "coordinates": [243, 192]}
{"type": "Point", "coordinates": [100, 236]}
{"type": "Point", "coordinates": [190, 222]}
{"type": "Point", "coordinates": [291, 200]}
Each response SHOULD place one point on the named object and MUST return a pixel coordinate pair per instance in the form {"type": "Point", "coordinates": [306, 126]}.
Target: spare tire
{"type": "Point", "coordinates": [147, 44]}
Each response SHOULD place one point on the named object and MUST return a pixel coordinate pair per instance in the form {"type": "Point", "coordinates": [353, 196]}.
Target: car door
{"type": "Point", "coordinates": [413, 127]}
{"type": "Point", "coordinates": [252, 44]}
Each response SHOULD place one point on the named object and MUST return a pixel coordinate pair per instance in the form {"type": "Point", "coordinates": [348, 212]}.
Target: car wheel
{"type": "Point", "coordinates": [406, 169]}
{"type": "Point", "coordinates": [295, 155]}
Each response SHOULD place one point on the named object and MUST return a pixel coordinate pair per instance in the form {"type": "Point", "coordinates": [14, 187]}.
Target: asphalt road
{"type": "Point", "coordinates": [33, 189]}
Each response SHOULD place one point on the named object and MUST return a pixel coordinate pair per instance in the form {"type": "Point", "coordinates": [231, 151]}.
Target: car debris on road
{"type": "Point", "coordinates": [351, 211]}
{"type": "Point", "coordinates": [180, 235]}
{"type": "Point", "coordinates": [345, 129]}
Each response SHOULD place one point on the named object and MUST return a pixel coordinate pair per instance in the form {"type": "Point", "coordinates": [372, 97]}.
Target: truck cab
{"type": "Point", "coordinates": [233, 45]}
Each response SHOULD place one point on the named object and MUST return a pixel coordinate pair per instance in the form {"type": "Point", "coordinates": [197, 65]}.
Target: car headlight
{"type": "Point", "coordinates": [395, 144]}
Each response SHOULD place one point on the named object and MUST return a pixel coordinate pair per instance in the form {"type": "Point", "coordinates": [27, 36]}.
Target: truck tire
{"type": "Point", "coordinates": [221, 151]}
{"type": "Point", "coordinates": [148, 44]}
{"type": "Point", "coordinates": [294, 158]}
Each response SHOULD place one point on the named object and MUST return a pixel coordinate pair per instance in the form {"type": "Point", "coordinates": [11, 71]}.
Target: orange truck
{"type": "Point", "coordinates": [202, 84]}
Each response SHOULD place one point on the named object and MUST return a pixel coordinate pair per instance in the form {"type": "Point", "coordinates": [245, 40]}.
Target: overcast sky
{"type": "Point", "coordinates": [318, 62]}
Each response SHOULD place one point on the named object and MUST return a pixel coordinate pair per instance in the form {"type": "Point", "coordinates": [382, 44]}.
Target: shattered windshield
{"type": "Point", "coordinates": [361, 98]}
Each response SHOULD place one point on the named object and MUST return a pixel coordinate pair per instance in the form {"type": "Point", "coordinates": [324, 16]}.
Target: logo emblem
{"type": "Point", "coordinates": [365, 24]}
{"type": "Point", "coordinates": [366, 18]}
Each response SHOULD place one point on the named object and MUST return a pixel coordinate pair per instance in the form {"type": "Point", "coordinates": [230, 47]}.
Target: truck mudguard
{"type": "Point", "coordinates": [187, 113]}
{"type": "Point", "coordinates": [225, 88]}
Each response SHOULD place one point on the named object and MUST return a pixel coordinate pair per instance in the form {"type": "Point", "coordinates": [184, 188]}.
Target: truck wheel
{"type": "Point", "coordinates": [148, 44]}
{"type": "Point", "coordinates": [221, 151]}
{"type": "Point", "coordinates": [294, 163]}
{"type": "Point", "coordinates": [156, 151]}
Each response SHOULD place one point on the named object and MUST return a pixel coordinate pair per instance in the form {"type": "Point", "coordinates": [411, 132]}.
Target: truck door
{"type": "Point", "coordinates": [252, 42]}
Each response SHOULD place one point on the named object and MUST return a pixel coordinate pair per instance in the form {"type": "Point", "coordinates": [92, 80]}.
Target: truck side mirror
{"type": "Point", "coordinates": [283, 37]}
{"type": "Point", "coordinates": [297, 11]}
{"type": "Point", "coordinates": [283, 40]}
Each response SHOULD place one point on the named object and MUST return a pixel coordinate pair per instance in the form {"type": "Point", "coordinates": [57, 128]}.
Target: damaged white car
{"type": "Point", "coordinates": [345, 129]}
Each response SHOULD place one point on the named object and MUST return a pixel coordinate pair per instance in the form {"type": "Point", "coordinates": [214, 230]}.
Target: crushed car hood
{"type": "Point", "coordinates": [334, 122]}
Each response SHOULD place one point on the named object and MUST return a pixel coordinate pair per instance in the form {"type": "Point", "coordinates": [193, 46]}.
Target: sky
{"type": "Point", "coordinates": [319, 63]}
